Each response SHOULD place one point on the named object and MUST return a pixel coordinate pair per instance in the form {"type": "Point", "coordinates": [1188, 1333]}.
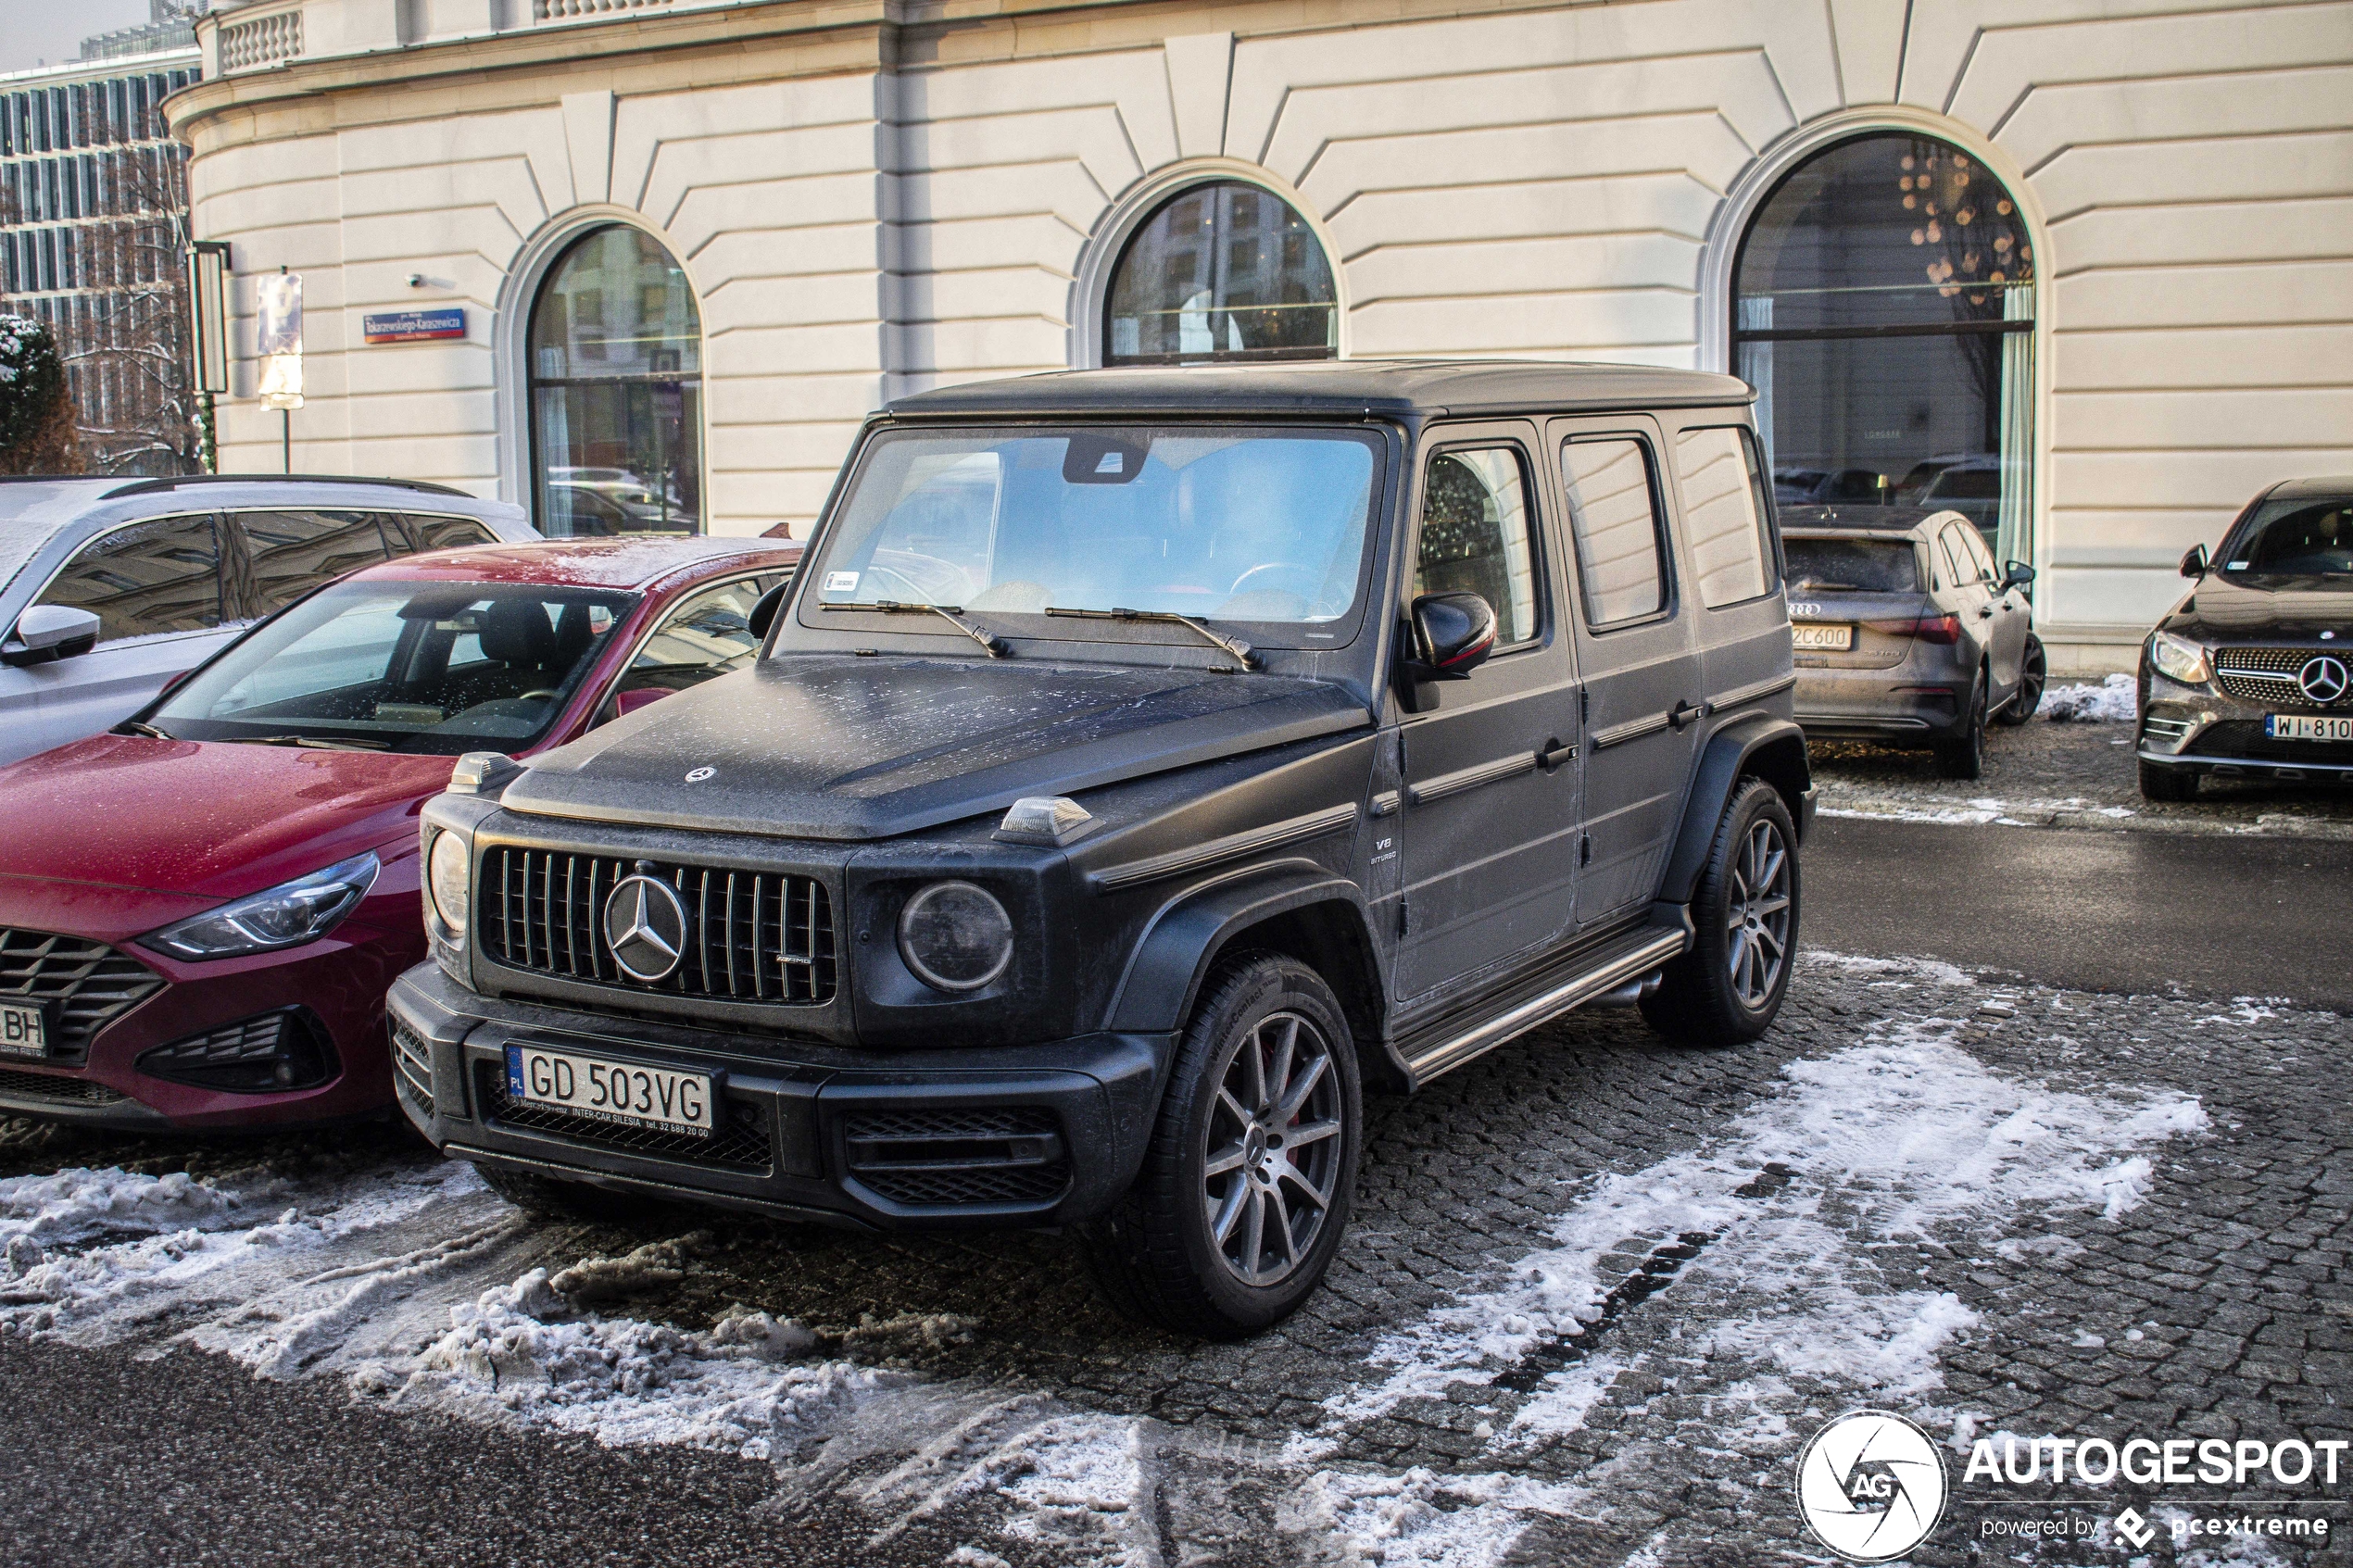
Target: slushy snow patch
{"type": "Point", "coordinates": [2114, 701]}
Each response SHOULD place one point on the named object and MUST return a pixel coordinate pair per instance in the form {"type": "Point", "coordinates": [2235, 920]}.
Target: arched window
{"type": "Point", "coordinates": [1221, 271]}
{"type": "Point", "coordinates": [1883, 308]}
{"type": "Point", "coordinates": [616, 390]}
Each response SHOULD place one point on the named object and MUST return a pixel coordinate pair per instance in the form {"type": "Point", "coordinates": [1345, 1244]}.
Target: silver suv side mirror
{"type": "Point", "coordinates": [47, 632]}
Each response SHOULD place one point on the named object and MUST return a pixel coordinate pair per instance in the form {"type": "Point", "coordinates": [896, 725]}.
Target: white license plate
{"type": "Point", "coordinates": [24, 1031]}
{"type": "Point", "coordinates": [1822, 639]}
{"type": "Point", "coordinates": [2298, 726]}
{"type": "Point", "coordinates": [632, 1093]}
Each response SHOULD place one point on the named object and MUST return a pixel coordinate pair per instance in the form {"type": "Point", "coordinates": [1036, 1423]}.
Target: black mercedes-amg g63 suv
{"type": "Point", "coordinates": [1142, 763]}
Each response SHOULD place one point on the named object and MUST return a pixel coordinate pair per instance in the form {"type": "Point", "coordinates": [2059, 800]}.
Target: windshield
{"type": "Point", "coordinates": [438, 667]}
{"type": "Point", "coordinates": [2296, 539]}
{"type": "Point", "coordinates": [1862, 566]}
{"type": "Point", "coordinates": [1264, 528]}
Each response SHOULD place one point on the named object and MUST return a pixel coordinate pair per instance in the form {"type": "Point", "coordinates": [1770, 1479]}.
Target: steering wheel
{"type": "Point", "coordinates": [1282, 577]}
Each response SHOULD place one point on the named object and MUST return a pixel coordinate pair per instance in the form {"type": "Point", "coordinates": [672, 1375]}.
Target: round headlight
{"type": "Point", "coordinates": [446, 880]}
{"type": "Point", "coordinates": [955, 936]}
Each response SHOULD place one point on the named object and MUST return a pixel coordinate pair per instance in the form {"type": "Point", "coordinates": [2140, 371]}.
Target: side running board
{"type": "Point", "coordinates": [1646, 949]}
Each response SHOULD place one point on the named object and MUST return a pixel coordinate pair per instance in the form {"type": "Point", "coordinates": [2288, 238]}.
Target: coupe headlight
{"type": "Point", "coordinates": [447, 882]}
{"type": "Point", "coordinates": [2178, 659]}
{"type": "Point", "coordinates": [955, 936]}
{"type": "Point", "coordinates": [285, 916]}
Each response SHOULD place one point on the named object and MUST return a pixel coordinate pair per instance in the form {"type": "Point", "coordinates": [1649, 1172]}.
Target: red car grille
{"type": "Point", "coordinates": [88, 984]}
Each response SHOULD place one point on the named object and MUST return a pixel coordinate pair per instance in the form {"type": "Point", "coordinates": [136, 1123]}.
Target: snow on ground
{"type": "Point", "coordinates": [2113, 701]}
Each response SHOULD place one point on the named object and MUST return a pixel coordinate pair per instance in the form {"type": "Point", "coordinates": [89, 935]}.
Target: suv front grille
{"type": "Point", "coordinates": [2267, 674]}
{"type": "Point", "coordinates": [949, 1157]}
{"type": "Point", "coordinates": [742, 1144]}
{"type": "Point", "coordinates": [412, 1069]}
{"type": "Point", "coordinates": [89, 984]}
{"type": "Point", "coordinates": [755, 936]}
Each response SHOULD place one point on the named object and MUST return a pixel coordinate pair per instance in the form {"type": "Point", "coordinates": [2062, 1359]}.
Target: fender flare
{"type": "Point", "coordinates": [1773, 749]}
{"type": "Point", "coordinates": [1170, 960]}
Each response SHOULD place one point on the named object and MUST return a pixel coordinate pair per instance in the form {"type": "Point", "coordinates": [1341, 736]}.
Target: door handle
{"type": "Point", "coordinates": [1985, 612]}
{"type": "Point", "coordinates": [1552, 754]}
{"type": "Point", "coordinates": [1683, 715]}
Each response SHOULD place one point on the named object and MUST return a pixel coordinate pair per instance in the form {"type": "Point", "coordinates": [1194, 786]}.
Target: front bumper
{"type": "Point", "coordinates": [2203, 729]}
{"type": "Point", "coordinates": [1021, 1135]}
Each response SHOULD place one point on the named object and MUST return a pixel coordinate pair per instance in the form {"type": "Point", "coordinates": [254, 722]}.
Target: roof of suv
{"type": "Point", "coordinates": [2310, 489]}
{"type": "Point", "coordinates": [1330, 387]}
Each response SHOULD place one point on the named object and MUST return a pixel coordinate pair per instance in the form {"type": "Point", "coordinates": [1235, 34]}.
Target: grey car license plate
{"type": "Point", "coordinates": [1819, 638]}
{"type": "Point", "coordinates": [633, 1093]}
{"type": "Point", "coordinates": [2304, 726]}
{"type": "Point", "coordinates": [24, 1031]}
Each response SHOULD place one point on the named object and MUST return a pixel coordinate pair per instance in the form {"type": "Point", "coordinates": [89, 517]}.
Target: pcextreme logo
{"type": "Point", "coordinates": [1872, 1487]}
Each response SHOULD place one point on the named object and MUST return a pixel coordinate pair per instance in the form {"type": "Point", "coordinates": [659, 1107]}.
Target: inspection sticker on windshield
{"type": "Point", "coordinates": [635, 1094]}
{"type": "Point", "coordinates": [841, 582]}
{"type": "Point", "coordinates": [1835, 639]}
{"type": "Point", "coordinates": [2300, 726]}
{"type": "Point", "coordinates": [24, 1031]}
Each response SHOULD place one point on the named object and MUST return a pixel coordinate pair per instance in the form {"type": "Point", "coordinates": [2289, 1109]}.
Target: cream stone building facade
{"type": "Point", "coordinates": [824, 204]}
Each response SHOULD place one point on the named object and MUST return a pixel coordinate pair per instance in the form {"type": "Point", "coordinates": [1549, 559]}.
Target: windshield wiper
{"type": "Point", "coordinates": [1246, 655]}
{"type": "Point", "coordinates": [133, 726]}
{"type": "Point", "coordinates": [952, 614]}
{"type": "Point", "coordinates": [320, 743]}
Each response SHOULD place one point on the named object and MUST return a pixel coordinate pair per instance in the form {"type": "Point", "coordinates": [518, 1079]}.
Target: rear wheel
{"type": "Point", "coordinates": [1964, 756]}
{"type": "Point", "coordinates": [1251, 1170]}
{"type": "Point", "coordinates": [546, 1197]}
{"type": "Point", "coordinates": [2034, 673]}
{"type": "Point", "coordinates": [1727, 988]}
{"type": "Point", "coordinates": [2161, 782]}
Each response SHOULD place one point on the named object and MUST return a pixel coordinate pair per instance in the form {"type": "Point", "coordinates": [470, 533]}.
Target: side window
{"type": "Point", "coordinates": [706, 634]}
{"type": "Point", "coordinates": [1981, 558]}
{"type": "Point", "coordinates": [1959, 569]}
{"type": "Point", "coordinates": [289, 553]}
{"type": "Point", "coordinates": [1731, 556]}
{"type": "Point", "coordinates": [444, 532]}
{"type": "Point", "coordinates": [1476, 536]}
{"type": "Point", "coordinates": [1620, 557]}
{"type": "Point", "coordinates": [148, 578]}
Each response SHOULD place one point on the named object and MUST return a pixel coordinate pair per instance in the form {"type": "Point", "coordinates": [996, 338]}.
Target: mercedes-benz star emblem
{"type": "Point", "coordinates": [645, 926]}
{"type": "Point", "coordinates": [696, 775]}
{"type": "Point", "coordinates": [2323, 680]}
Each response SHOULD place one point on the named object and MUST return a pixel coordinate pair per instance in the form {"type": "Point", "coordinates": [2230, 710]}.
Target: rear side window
{"type": "Point", "coordinates": [447, 532]}
{"type": "Point", "coordinates": [146, 579]}
{"type": "Point", "coordinates": [289, 553]}
{"type": "Point", "coordinates": [1724, 516]}
{"type": "Point", "coordinates": [1958, 559]}
{"type": "Point", "coordinates": [1476, 536]}
{"type": "Point", "coordinates": [708, 633]}
{"type": "Point", "coordinates": [1620, 558]}
{"type": "Point", "coordinates": [1852, 566]}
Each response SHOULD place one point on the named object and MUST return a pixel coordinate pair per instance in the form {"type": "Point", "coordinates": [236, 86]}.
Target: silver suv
{"type": "Point", "coordinates": [110, 587]}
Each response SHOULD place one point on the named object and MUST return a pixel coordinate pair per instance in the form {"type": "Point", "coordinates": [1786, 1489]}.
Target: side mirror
{"type": "Point", "coordinates": [763, 613]}
{"type": "Point", "coordinates": [2017, 574]}
{"type": "Point", "coordinates": [2194, 564]}
{"type": "Point", "coordinates": [47, 632]}
{"type": "Point", "coordinates": [1453, 633]}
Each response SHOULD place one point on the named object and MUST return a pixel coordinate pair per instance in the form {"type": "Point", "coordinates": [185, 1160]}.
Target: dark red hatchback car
{"type": "Point", "coordinates": [201, 911]}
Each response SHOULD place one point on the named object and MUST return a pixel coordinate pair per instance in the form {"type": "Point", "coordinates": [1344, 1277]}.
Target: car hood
{"type": "Point", "coordinates": [842, 747]}
{"type": "Point", "coordinates": [209, 820]}
{"type": "Point", "coordinates": [2235, 608]}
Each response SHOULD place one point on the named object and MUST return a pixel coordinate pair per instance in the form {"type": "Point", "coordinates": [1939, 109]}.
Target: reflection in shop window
{"type": "Point", "coordinates": [1222, 271]}
{"type": "Point", "coordinates": [1883, 308]}
{"type": "Point", "coordinates": [616, 391]}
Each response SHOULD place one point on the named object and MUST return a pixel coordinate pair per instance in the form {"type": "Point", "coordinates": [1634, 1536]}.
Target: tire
{"type": "Point", "coordinates": [2161, 782]}
{"type": "Point", "coordinates": [1728, 987]}
{"type": "Point", "coordinates": [2034, 673]}
{"type": "Point", "coordinates": [1964, 757]}
{"type": "Point", "coordinates": [546, 1197]}
{"type": "Point", "coordinates": [1177, 1250]}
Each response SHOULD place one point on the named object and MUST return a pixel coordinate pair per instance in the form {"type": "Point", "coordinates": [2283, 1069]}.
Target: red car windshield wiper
{"type": "Point", "coordinates": [1246, 655]}
{"type": "Point", "coordinates": [321, 743]}
{"type": "Point", "coordinates": [952, 614]}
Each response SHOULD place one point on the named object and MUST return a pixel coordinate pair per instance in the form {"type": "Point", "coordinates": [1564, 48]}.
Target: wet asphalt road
{"type": "Point", "coordinates": [2250, 916]}
{"type": "Point", "coordinates": [108, 1457]}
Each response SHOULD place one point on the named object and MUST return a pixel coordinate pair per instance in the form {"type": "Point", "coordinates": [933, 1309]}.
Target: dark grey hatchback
{"type": "Point", "coordinates": [1142, 763]}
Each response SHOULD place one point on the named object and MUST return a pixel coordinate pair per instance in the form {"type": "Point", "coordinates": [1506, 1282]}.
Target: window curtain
{"type": "Point", "coordinates": [2016, 523]}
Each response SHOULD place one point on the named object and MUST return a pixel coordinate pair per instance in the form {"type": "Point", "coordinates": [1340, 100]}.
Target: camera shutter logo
{"type": "Point", "coordinates": [1872, 1487]}
{"type": "Point", "coordinates": [646, 927]}
{"type": "Point", "coordinates": [2323, 680]}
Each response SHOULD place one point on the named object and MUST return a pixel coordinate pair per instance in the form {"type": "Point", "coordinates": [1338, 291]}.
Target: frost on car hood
{"type": "Point", "coordinates": [842, 747]}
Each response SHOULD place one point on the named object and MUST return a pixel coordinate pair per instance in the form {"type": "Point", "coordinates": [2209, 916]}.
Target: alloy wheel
{"type": "Point", "coordinates": [1272, 1148]}
{"type": "Point", "coordinates": [1756, 923]}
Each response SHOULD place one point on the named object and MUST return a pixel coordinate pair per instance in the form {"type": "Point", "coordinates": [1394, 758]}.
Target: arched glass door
{"type": "Point", "coordinates": [1883, 308]}
{"type": "Point", "coordinates": [1221, 271]}
{"type": "Point", "coordinates": [616, 391]}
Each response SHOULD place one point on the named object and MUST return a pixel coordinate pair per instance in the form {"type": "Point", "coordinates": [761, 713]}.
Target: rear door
{"type": "Point", "coordinates": [2009, 619]}
{"type": "Point", "coordinates": [1635, 651]}
{"type": "Point", "coordinates": [1488, 826]}
{"type": "Point", "coordinates": [1742, 622]}
{"type": "Point", "coordinates": [1974, 600]}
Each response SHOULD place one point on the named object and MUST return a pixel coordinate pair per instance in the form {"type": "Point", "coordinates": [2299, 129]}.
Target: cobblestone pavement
{"type": "Point", "coordinates": [1597, 1293]}
{"type": "Point", "coordinates": [2080, 774]}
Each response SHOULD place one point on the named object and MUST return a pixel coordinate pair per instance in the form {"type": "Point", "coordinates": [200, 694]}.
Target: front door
{"type": "Point", "coordinates": [1635, 648]}
{"type": "Point", "coordinates": [1487, 823]}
